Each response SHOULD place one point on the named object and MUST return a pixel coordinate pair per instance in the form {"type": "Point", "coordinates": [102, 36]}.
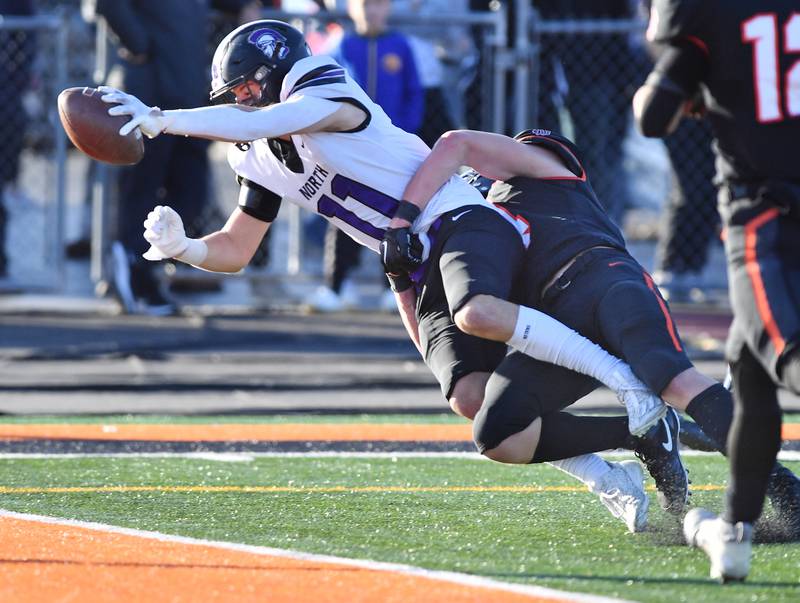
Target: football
{"type": "Point", "coordinates": [91, 129]}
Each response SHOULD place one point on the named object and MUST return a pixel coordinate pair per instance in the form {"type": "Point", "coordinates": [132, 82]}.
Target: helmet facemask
{"type": "Point", "coordinates": [224, 93]}
{"type": "Point", "coordinates": [261, 52]}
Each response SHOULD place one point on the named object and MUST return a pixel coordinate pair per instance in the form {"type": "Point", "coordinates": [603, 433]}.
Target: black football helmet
{"type": "Point", "coordinates": [262, 51]}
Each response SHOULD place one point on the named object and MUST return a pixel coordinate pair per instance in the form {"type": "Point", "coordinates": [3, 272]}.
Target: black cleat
{"type": "Point", "coordinates": [658, 450]}
{"type": "Point", "coordinates": [783, 491]}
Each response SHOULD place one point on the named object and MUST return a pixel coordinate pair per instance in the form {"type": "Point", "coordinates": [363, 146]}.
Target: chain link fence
{"type": "Point", "coordinates": [576, 76]}
{"type": "Point", "coordinates": [584, 75]}
{"type": "Point", "coordinates": [33, 52]}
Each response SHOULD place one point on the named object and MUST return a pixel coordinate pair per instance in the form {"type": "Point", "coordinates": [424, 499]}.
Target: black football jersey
{"type": "Point", "coordinates": [564, 214]}
{"type": "Point", "coordinates": [752, 86]}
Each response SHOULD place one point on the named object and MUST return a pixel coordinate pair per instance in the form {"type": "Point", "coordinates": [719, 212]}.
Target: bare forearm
{"type": "Point", "coordinates": [406, 303]}
{"type": "Point", "coordinates": [432, 174]}
{"type": "Point", "coordinates": [224, 253]}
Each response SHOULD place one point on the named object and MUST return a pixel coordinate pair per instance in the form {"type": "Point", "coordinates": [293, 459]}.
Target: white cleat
{"type": "Point", "coordinates": [728, 546]}
{"type": "Point", "coordinates": [621, 491]}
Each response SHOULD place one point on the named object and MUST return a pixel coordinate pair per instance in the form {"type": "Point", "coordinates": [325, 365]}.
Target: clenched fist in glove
{"type": "Point", "coordinates": [401, 251]}
{"type": "Point", "coordinates": [150, 120]}
{"type": "Point", "coordinates": [167, 237]}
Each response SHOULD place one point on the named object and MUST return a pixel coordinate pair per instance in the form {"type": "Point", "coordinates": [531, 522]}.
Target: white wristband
{"type": "Point", "coordinates": [195, 252]}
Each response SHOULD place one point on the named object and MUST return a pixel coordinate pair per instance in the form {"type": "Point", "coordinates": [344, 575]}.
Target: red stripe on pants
{"type": "Point", "coordinates": [756, 281]}
{"type": "Point", "coordinates": [670, 324]}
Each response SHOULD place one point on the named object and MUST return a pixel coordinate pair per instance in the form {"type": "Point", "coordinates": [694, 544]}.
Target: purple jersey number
{"type": "Point", "coordinates": [343, 187]}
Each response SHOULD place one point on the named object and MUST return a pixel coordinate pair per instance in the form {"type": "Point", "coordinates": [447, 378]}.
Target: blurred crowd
{"type": "Point", "coordinates": [428, 78]}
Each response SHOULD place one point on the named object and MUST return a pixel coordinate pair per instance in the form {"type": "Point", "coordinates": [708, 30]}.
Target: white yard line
{"type": "Point", "coordinates": [246, 457]}
{"type": "Point", "coordinates": [452, 577]}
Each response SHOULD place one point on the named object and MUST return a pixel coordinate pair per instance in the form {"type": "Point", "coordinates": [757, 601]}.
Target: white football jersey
{"type": "Point", "coordinates": [354, 179]}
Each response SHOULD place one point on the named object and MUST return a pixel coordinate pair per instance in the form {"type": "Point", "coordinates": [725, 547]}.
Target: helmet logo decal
{"type": "Point", "coordinates": [269, 42]}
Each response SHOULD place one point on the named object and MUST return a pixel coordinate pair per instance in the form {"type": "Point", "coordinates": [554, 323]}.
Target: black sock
{"type": "Point", "coordinates": [565, 435]}
{"type": "Point", "coordinates": [789, 367]}
{"type": "Point", "coordinates": [754, 439]}
{"type": "Point", "coordinates": [712, 410]}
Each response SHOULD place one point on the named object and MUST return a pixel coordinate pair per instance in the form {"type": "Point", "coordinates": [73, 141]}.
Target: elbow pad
{"type": "Point", "coordinates": [257, 201]}
{"type": "Point", "coordinates": [675, 79]}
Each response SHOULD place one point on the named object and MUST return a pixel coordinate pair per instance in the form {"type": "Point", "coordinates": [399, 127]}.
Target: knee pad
{"type": "Point", "coordinates": [506, 410]}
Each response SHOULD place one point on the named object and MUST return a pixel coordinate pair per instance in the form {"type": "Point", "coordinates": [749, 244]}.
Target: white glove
{"type": "Point", "coordinates": [164, 231]}
{"type": "Point", "coordinates": [151, 120]}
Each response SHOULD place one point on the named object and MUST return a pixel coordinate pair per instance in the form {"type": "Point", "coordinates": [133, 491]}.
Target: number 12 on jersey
{"type": "Point", "coordinates": [763, 33]}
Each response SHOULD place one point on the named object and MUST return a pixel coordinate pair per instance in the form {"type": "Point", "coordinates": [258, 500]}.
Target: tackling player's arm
{"type": "Point", "coordinates": [493, 155]}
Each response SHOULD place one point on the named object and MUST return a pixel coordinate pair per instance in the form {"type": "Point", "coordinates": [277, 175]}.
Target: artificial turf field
{"type": "Point", "coordinates": [520, 524]}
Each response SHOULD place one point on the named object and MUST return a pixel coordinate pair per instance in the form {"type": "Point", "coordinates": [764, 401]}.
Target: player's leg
{"type": "Point", "coordinates": [462, 365]}
{"type": "Point", "coordinates": [520, 421]}
{"type": "Point", "coordinates": [511, 427]}
{"type": "Point", "coordinates": [763, 250]}
{"type": "Point", "coordinates": [608, 297]}
{"type": "Point", "coordinates": [753, 444]}
{"type": "Point", "coordinates": [754, 439]}
{"type": "Point", "coordinates": [477, 260]}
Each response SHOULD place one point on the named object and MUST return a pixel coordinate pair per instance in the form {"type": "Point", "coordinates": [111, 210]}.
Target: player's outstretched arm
{"type": "Point", "coordinates": [235, 123]}
{"type": "Point", "coordinates": [228, 250]}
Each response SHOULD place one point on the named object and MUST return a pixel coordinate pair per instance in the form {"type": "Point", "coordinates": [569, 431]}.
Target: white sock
{"type": "Point", "coordinates": [543, 337]}
{"type": "Point", "coordinates": [588, 468]}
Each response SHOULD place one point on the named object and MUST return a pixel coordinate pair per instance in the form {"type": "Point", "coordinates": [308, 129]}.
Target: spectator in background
{"type": "Point", "coordinates": [426, 44]}
{"type": "Point", "coordinates": [163, 52]}
{"type": "Point", "coordinates": [383, 63]}
{"type": "Point", "coordinates": [16, 57]}
{"type": "Point", "coordinates": [587, 86]}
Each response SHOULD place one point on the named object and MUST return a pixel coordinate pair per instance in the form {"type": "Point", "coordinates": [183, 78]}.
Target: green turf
{"type": "Point", "coordinates": [557, 539]}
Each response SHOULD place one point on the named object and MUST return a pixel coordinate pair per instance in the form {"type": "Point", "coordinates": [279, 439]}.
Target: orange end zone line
{"type": "Point", "coordinates": [279, 432]}
{"type": "Point", "coordinates": [283, 432]}
{"type": "Point", "coordinates": [48, 559]}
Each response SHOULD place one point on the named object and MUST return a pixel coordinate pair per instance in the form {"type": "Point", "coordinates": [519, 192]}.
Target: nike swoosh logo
{"type": "Point", "coordinates": [668, 444]}
{"type": "Point", "coordinates": [457, 216]}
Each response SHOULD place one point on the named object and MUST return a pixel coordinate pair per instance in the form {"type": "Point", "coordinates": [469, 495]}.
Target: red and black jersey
{"type": "Point", "coordinates": [752, 83]}
{"type": "Point", "coordinates": [564, 214]}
